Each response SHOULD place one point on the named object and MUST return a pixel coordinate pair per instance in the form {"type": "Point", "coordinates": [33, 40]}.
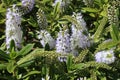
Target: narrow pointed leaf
{"type": "Point", "coordinates": [11, 66]}
{"type": "Point", "coordinates": [31, 73]}
{"type": "Point", "coordinates": [114, 32]}
{"type": "Point", "coordinates": [69, 61]}
{"type": "Point", "coordinates": [25, 50]}
{"type": "Point", "coordinates": [3, 55]}
{"type": "Point", "coordinates": [107, 45]}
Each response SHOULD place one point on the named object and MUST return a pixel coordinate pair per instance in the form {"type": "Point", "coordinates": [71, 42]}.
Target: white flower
{"type": "Point", "coordinates": [46, 78]}
{"type": "Point", "coordinates": [63, 3]}
{"type": "Point", "coordinates": [27, 5]}
{"type": "Point", "coordinates": [78, 40]}
{"type": "Point", "coordinates": [13, 29]}
{"type": "Point", "coordinates": [105, 57]}
{"type": "Point", "coordinates": [63, 42]}
{"type": "Point", "coordinates": [45, 38]}
{"type": "Point", "coordinates": [80, 20]}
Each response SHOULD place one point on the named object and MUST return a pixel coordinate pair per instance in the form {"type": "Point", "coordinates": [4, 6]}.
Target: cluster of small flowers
{"type": "Point", "coordinates": [71, 44]}
{"type": "Point", "coordinates": [42, 21]}
{"type": "Point", "coordinates": [78, 38]}
{"type": "Point", "coordinates": [63, 42]}
{"type": "Point", "coordinates": [13, 22]}
{"type": "Point", "coordinates": [105, 57]}
{"type": "Point", "coordinates": [116, 3]}
{"type": "Point", "coordinates": [45, 38]}
{"type": "Point", "coordinates": [112, 15]}
{"type": "Point", "coordinates": [13, 29]}
{"type": "Point", "coordinates": [27, 5]}
{"type": "Point", "coordinates": [63, 3]}
{"type": "Point", "coordinates": [113, 12]}
{"type": "Point", "coordinates": [80, 20]}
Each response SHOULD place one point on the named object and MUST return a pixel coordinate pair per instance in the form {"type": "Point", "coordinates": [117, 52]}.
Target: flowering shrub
{"type": "Point", "coordinates": [59, 40]}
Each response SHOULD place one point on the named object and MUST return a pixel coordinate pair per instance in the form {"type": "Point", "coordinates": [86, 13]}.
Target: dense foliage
{"type": "Point", "coordinates": [59, 40]}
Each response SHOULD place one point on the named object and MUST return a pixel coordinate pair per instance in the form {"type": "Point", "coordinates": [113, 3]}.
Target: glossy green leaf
{"type": "Point", "coordinates": [13, 54]}
{"type": "Point", "coordinates": [3, 55]}
{"type": "Point", "coordinates": [107, 45]}
{"type": "Point", "coordinates": [114, 31]}
{"type": "Point", "coordinates": [56, 10]}
{"type": "Point", "coordinates": [25, 50]}
{"type": "Point", "coordinates": [25, 64]}
{"type": "Point", "coordinates": [69, 61]}
{"type": "Point", "coordinates": [90, 9]}
{"type": "Point", "coordinates": [32, 22]}
{"type": "Point", "coordinates": [12, 46]}
{"type": "Point", "coordinates": [79, 66]}
{"type": "Point", "coordinates": [31, 73]}
{"type": "Point", "coordinates": [11, 67]}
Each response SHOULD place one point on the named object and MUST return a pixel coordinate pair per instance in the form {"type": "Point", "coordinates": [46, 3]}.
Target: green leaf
{"type": "Point", "coordinates": [56, 10]}
{"type": "Point", "coordinates": [98, 2]}
{"type": "Point", "coordinates": [107, 45]}
{"type": "Point", "coordinates": [8, 2]}
{"type": "Point", "coordinates": [13, 53]}
{"type": "Point", "coordinates": [26, 63]}
{"type": "Point", "coordinates": [2, 66]}
{"type": "Point", "coordinates": [79, 66]}
{"type": "Point", "coordinates": [100, 29]}
{"type": "Point", "coordinates": [69, 61]}
{"type": "Point", "coordinates": [90, 9]}
{"type": "Point", "coordinates": [45, 69]}
{"type": "Point", "coordinates": [25, 50]}
{"type": "Point", "coordinates": [31, 73]}
{"type": "Point", "coordinates": [12, 46]}
{"type": "Point", "coordinates": [32, 22]}
{"type": "Point", "coordinates": [11, 66]}
{"type": "Point", "coordinates": [25, 59]}
{"type": "Point", "coordinates": [2, 10]}
{"type": "Point", "coordinates": [104, 13]}
{"type": "Point", "coordinates": [106, 1]}
{"type": "Point", "coordinates": [2, 21]}
{"type": "Point", "coordinates": [114, 32]}
{"type": "Point", "coordinates": [3, 55]}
